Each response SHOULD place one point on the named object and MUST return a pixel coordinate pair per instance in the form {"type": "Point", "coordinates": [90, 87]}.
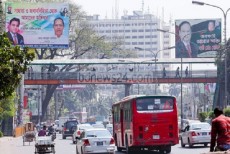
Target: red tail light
{"type": "Point", "coordinates": [78, 132]}
{"type": "Point", "coordinates": [112, 141]}
{"type": "Point", "coordinates": [193, 133]}
{"type": "Point", "coordinates": [64, 129]}
{"type": "Point", "coordinates": [86, 142]}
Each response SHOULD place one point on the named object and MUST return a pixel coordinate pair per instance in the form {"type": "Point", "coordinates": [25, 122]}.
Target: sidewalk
{"type": "Point", "coordinates": [6, 138]}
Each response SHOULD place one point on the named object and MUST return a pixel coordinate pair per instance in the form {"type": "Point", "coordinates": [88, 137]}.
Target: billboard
{"type": "Point", "coordinates": [196, 38]}
{"type": "Point", "coordinates": [38, 25]}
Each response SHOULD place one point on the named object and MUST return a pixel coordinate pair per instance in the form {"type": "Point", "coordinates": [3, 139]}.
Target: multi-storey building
{"type": "Point", "coordinates": [136, 31]}
{"type": "Point", "coordinates": [139, 34]}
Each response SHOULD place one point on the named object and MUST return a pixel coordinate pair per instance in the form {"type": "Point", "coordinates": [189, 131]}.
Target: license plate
{"type": "Point", "coordinates": [156, 137]}
{"type": "Point", "coordinates": [204, 133]}
{"type": "Point", "coordinates": [99, 143]}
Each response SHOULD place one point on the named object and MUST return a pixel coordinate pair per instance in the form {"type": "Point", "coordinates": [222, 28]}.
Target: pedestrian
{"type": "Point", "coordinates": [220, 132]}
{"type": "Point", "coordinates": [186, 72]}
{"type": "Point", "coordinates": [178, 72]}
{"type": "Point", "coordinates": [164, 72]}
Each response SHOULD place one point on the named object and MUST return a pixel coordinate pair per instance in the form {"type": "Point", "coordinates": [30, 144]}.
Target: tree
{"type": "Point", "coordinates": [13, 63]}
{"type": "Point", "coordinates": [7, 108]}
{"type": "Point", "coordinates": [84, 43]}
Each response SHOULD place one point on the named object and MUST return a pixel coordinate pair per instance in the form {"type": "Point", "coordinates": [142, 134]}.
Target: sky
{"type": "Point", "coordinates": [174, 9]}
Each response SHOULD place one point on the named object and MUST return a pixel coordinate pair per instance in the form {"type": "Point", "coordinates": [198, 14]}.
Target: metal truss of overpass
{"type": "Point", "coordinates": [38, 77]}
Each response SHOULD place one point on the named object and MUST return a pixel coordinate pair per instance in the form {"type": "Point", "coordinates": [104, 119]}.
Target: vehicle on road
{"type": "Point", "coordinates": [96, 140]}
{"type": "Point", "coordinates": [98, 125]}
{"type": "Point", "coordinates": [110, 128]}
{"type": "Point", "coordinates": [68, 128]}
{"type": "Point", "coordinates": [145, 122]}
{"type": "Point", "coordinates": [61, 122]}
{"type": "Point", "coordinates": [80, 128]}
{"type": "Point", "coordinates": [196, 133]}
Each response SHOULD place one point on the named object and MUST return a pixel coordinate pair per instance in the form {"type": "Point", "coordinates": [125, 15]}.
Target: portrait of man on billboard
{"type": "Point", "coordinates": [58, 27]}
{"type": "Point", "coordinates": [185, 48]}
{"type": "Point", "coordinates": [13, 32]}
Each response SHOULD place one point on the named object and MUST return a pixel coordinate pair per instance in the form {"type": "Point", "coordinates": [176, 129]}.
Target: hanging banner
{"type": "Point", "coordinates": [38, 25]}
{"type": "Point", "coordinates": [196, 38]}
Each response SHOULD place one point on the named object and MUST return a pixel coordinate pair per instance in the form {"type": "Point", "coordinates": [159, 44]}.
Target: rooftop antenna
{"type": "Point", "coordinates": [143, 4]}
{"type": "Point", "coordinates": [116, 9]}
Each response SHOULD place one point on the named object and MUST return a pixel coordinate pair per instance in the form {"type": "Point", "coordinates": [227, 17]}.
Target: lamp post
{"type": "Point", "coordinates": [225, 46]}
{"type": "Point", "coordinates": [181, 78]}
{"type": "Point", "coordinates": [155, 61]}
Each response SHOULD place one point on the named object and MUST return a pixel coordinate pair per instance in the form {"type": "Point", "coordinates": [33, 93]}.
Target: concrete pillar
{"type": "Point", "coordinates": [127, 89]}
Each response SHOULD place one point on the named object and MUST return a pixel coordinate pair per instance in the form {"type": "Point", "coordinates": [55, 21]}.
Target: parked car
{"type": "Point", "coordinates": [96, 140]}
{"type": "Point", "coordinates": [68, 128]}
{"type": "Point", "coordinates": [196, 133]}
{"type": "Point", "coordinates": [79, 130]}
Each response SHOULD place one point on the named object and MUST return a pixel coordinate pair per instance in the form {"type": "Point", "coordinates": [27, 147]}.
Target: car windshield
{"type": "Point", "coordinates": [71, 124]}
{"type": "Point", "coordinates": [98, 133]}
{"type": "Point", "coordinates": [200, 126]}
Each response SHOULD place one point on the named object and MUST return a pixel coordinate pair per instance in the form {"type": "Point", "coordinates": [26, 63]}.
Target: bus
{"type": "Point", "coordinates": [145, 123]}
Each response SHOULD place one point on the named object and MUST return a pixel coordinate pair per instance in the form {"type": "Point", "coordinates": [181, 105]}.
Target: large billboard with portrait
{"type": "Point", "coordinates": [197, 38]}
{"type": "Point", "coordinates": [38, 25]}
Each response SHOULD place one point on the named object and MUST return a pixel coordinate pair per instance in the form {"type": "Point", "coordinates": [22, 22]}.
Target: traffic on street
{"type": "Point", "coordinates": [9, 145]}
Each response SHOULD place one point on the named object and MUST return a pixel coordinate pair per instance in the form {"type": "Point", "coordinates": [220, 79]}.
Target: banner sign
{"type": "Point", "coordinates": [196, 38]}
{"type": "Point", "coordinates": [38, 25]}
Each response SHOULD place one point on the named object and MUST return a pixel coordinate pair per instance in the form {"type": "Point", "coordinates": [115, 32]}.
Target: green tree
{"type": "Point", "coordinates": [227, 112]}
{"type": "Point", "coordinates": [203, 116]}
{"type": "Point", "coordinates": [7, 107]}
{"type": "Point", "coordinates": [13, 63]}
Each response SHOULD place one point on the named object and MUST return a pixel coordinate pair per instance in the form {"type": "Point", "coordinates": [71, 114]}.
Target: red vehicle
{"type": "Point", "coordinates": [145, 122]}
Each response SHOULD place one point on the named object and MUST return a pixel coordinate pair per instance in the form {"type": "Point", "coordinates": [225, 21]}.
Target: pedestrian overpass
{"type": "Point", "coordinates": [82, 71]}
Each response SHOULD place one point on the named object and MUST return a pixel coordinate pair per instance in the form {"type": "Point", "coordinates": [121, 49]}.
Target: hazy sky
{"type": "Point", "coordinates": [177, 9]}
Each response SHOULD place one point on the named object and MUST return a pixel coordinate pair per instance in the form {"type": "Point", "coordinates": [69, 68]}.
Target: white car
{"type": "Point", "coordinates": [96, 140]}
{"type": "Point", "coordinates": [196, 133]}
{"type": "Point", "coordinates": [79, 130]}
{"type": "Point", "coordinates": [98, 125]}
{"type": "Point", "coordinates": [110, 128]}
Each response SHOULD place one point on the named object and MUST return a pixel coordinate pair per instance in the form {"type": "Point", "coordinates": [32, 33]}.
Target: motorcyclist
{"type": "Point", "coordinates": [42, 132]}
{"type": "Point", "coordinates": [51, 131]}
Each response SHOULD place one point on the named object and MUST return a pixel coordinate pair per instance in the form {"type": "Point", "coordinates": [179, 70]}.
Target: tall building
{"type": "Point", "coordinates": [137, 31]}
{"type": "Point", "coordinates": [139, 35]}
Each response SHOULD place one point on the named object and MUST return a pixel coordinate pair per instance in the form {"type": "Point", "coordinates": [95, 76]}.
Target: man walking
{"type": "Point", "coordinates": [178, 72]}
{"type": "Point", "coordinates": [220, 132]}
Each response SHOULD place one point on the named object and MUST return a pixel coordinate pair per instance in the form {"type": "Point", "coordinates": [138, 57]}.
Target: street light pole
{"type": "Point", "coordinates": [155, 60]}
{"type": "Point", "coordinates": [225, 47]}
{"type": "Point", "coordinates": [181, 76]}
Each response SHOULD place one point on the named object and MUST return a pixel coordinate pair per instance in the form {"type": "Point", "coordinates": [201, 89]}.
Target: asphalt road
{"type": "Point", "coordinates": [15, 146]}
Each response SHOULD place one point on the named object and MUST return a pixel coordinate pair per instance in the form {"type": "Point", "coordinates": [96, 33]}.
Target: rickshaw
{"type": "Point", "coordinates": [30, 133]}
{"type": "Point", "coordinates": [44, 144]}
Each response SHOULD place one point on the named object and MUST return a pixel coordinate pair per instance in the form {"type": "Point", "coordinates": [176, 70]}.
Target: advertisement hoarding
{"type": "Point", "coordinates": [38, 25]}
{"type": "Point", "coordinates": [196, 38]}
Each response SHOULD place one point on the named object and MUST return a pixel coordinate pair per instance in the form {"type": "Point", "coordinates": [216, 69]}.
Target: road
{"type": "Point", "coordinates": [15, 146]}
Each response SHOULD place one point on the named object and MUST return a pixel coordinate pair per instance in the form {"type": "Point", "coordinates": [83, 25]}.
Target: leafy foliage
{"type": "Point", "coordinates": [211, 115]}
{"type": "Point", "coordinates": [7, 107]}
{"type": "Point", "coordinates": [203, 116]}
{"type": "Point", "coordinates": [227, 112]}
{"type": "Point", "coordinates": [13, 62]}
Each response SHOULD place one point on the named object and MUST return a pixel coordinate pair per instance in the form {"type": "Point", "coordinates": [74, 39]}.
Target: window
{"type": "Point", "coordinates": [141, 43]}
{"type": "Point", "coordinates": [153, 104]}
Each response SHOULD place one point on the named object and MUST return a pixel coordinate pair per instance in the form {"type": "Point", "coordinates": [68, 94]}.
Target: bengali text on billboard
{"type": "Point", "coordinates": [197, 38]}
{"type": "Point", "coordinates": [38, 25]}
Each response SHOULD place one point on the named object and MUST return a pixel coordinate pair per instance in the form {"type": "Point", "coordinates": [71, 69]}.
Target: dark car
{"type": "Point", "coordinates": [68, 128]}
